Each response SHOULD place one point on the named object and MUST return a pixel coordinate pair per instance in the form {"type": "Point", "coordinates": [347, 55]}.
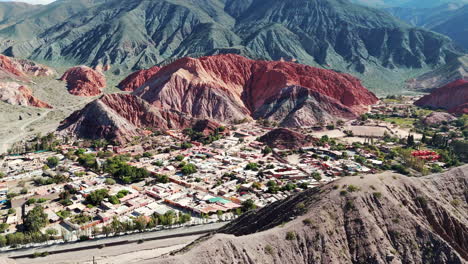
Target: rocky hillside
{"type": "Point", "coordinates": [407, 3]}
{"type": "Point", "coordinates": [385, 218]}
{"type": "Point", "coordinates": [84, 81]}
{"type": "Point", "coordinates": [135, 34]}
{"type": "Point", "coordinates": [120, 117]}
{"type": "Point", "coordinates": [228, 88]}
{"type": "Point", "coordinates": [22, 70]}
{"type": "Point", "coordinates": [16, 94]}
{"type": "Point", "coordinates": [452, 97]}
{"type": "Point", "coordinates": [452, 71]}
{"type": "Point", "coordinates": [137, 79]}
{"type": "Point", "coordinates": [447, 19]}
{"type": "Point", "coordinates": [283, 138]}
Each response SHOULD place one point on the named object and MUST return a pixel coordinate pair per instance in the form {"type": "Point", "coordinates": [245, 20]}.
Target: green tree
{"type": "Point", "coordinates": [95, 198]}
{"type": "Point", "coordinates": [248, 205]}
{"type": "Point", "coordinates": [52, 162]}
{"type": "Point", "coordinates": [267, 150]}
{"type": "Point", "coordinates": [35, 219]}
{"type": "Point", "coordinates": [189, 169]}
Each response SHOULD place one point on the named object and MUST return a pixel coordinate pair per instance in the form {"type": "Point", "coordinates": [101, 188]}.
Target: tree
{"type": "Point", "coordinates": [189, 169]}
{"type": "Point", "coordinates": [180, 157]}
{"type": "Point", "coordinates": [52, 162]}
{"type": "Point", "coordinates": [251, 166]}
{"type": "Point", "coordinates": [2, 175]}
{"type": "Point", "coordinates": [96, 197]}
{"type": "Point", "coordinates": [109, 181]}
{"type": "Point", "coordinates": [114, 200]}
{"type": "Point", "coordinates": [4, 227]}
{"type": "Point", "coordinates": [267, 150]}
{"type": "Point", "coordinates": [35, 219]}
{"type": "Point", "coordinates": [140, 223]}
{"type": "Point", "coordinates": [248, 205]}
{"type": "Point", "coordinates": [316, 176]}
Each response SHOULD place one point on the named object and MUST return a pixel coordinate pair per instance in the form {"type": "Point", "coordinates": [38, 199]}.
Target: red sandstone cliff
{"type": "Point", "coordinates": [121, 117]}
{"type": "Point", "coordinates": [22, 70]}
{"type": "Point", "coordinates": [84, 81]}
{"type": "Point", "coordinates": [452, 97]}
{"type": "Point", "coordinates": [224, 89]}
{"type": "Point", "coordinates": [16, 94]}
{"type": "Point", "coordinates": [230, 87]}
{"type": "Point", "coordinates": [138, 78]}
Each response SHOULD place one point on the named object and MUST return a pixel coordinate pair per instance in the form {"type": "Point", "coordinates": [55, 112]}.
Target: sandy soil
{"type": "Point", "coordinates": [36, 120]}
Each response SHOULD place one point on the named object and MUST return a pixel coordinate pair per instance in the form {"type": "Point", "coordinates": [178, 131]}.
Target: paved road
{"type": "Point", "coordinates": [184, 231]}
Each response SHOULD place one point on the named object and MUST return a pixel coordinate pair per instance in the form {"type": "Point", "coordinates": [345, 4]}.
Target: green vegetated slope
{"type": "Point", "coordinates": [407, 3]}
{"type": "Point", "coordinates": [131, 34]}
{"type": "Point", "coordinates": [448, 19]}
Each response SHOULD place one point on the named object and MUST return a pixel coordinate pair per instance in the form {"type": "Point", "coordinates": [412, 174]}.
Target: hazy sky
{"type": "Point", "coordinates": [30, 1]}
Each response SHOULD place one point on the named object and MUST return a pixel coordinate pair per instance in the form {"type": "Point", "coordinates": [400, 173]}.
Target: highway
{"type": "Point", "coordinates": [114, 241]}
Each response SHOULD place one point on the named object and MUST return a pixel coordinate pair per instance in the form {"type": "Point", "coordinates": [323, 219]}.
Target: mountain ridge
{"type": "Point", "coordinates": [132, 35]}
{"type": "Point", "coordinates": [382, 218]}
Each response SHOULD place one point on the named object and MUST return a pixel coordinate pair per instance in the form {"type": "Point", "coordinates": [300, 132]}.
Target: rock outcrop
{"type": "Point", "coordinates": [385, 218]}
{"type": "Point", "coordinates": [446, 74]}
{"type": "Point", "coordinates": [121, 117]}
{"type": "Point", "coordinates": [282, 138]}
{"type": "Point", "coordinates": [437, 118]}
{"type": "Point", "coordinates": [84, 81]}
{"type": "Point", "coordinates": [16, 94]}
{"type": "Point", "coordinates": [208, 127]}
{"type": "Point", "coordinates": [138, 78]}
{"type": "Point", "coordinates": [452, 97]}
{"type": "Point", "coordinates": [22, 70]}
{"type": "Point", "coordinates": [227, 88]}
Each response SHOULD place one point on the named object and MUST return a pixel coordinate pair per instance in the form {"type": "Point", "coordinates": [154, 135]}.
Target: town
{"type": "Point", "coordinates": [56, 190]}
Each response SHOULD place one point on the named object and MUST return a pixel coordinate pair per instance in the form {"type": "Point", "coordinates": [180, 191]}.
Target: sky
{"type": "Point", "coordinates": [30, 1]}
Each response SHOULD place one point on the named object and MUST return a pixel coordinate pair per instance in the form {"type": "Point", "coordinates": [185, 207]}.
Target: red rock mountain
{"type": "Point", "coordinates": [22, 70]}
{"type": "Point", "coordinates": [138, 78]}
{"type": "Point", "coordinates": [16, 94]}
{"type": "Point", "coordinates": [230, 87]}
{"type": "Point", "coordinates": [121, 117]}
{"type": "Point", "coordinates": [452, 97]}
{"type": "Point", "coordinates": [84, 81]}
{"type": "Point", "coordinates": [223, 89]}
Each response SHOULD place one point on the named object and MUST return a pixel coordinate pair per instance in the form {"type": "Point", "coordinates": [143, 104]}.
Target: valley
{"type": "Point", "coordinates": [233, 131]}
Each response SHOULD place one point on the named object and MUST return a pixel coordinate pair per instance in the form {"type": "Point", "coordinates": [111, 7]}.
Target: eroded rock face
{"type": "Point", "coordinates": [84, 81]}
{"type": "Point", "coordinates": [452, 97]}
{"type": "Point", "coordinates": [437, 118]}
{"type": "Point", "coordinates": [283, 138]}
{"type": "Point", "coordinates": [16, 94]}
{"type": "Point", "coordinates": [138, 78]}
{"type": "Point", "coordinates": [22, 70]}
{"type": "Point", "coordinates": [230, 87]}
{"type": "Point", "coordinates": [121, 117]}
{"type": "Point", "coordinates": [209, 127]}
{"type": "Point", "coordinates": [390, 218]}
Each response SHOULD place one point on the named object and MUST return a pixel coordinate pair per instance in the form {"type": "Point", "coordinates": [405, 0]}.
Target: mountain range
{"type": "Point", "coordinates": [385, 218]}
{"type": "Point", "coordinates": [226, 89]}
{"type": "Point", "coordinates": [448, 19]}
{"type": "Point", "coordinates": [136, 34]}
{"type": "Point", "coordinates": [407, 3]}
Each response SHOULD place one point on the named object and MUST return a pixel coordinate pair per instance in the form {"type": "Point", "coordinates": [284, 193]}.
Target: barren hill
{"type": "Point", "coordinates": [386, 218]}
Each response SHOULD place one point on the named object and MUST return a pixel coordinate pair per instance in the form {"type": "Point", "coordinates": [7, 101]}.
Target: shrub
{"type": "Point", "coordinates": [307, 221]}
{"type": "Point", "coordinates": [269, 249]}
{"type": "Point", "coordinates": [377, 195]}
{"type": "Point", "coordinates": [291, 235]}
{"type": "Point", "coordinates": [422, 201]}
{"type": "Point", "coordinates": [353, 188]}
